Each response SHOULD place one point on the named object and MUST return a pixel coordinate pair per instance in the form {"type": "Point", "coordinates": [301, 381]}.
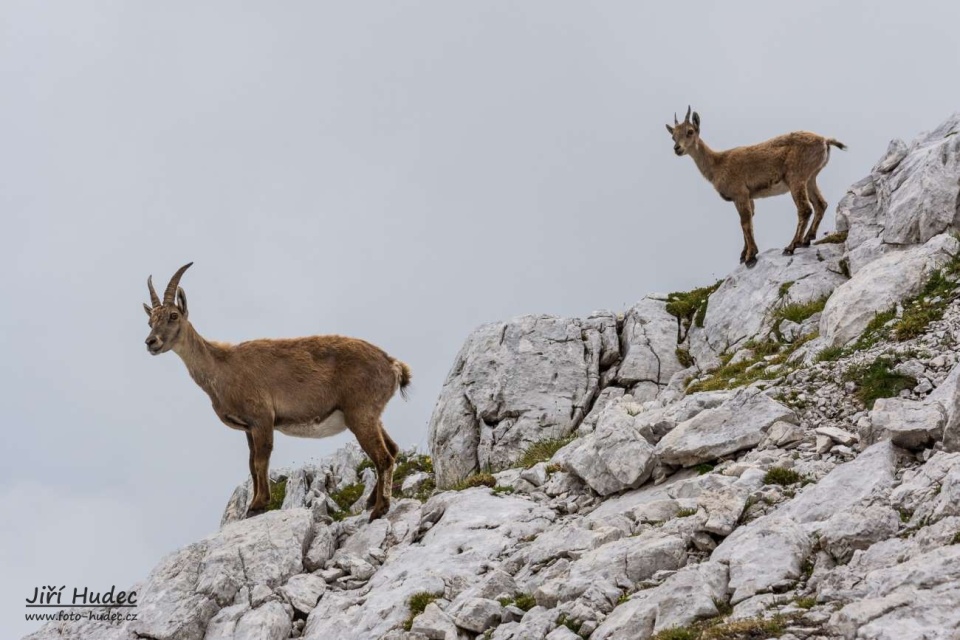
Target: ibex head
{"type": "Point", "coordinates": [166, 317]}
{"type": "Point", "coordinates": [685, 134]}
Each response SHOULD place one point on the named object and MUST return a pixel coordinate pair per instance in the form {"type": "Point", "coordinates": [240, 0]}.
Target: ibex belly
{"type": "Point", "coordinates": [319, 428]}
{"type": "Point", "coordinates": [775, 189]}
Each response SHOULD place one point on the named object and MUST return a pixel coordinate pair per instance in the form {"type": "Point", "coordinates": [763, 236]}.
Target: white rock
{"type": "Point", "coordinates": [909, 424]}
{"type": "Point", "coordinates": [648, 345]}
{"type": "Point", "coordinates": [739, 423]}
{"type": "Point", "coordinates": [435, 624]}
{"type": "Point", "coordinates": [477, 614]}
{"type": "Point", "coordinates": [785, 546]}
{"type": "Point", "coordinates": [879, 285]}
{"type": "Point", "coordinates": [857, 528]}
{"type": "Point", "coordinates": [841, 436]}
{"type": "Point", "coordinates": [741, 308]}
{"type": "Point", "coordinates": [513, 384]}
{"type": "Point", "coordinates": [688, 595]}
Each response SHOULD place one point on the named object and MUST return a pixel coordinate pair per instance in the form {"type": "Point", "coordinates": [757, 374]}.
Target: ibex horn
{"type": "Point", "coordinates": [154, 299]}
{"type": "Point", "coordinates": [687, 118]}
{"type": "Point", "coordinates": [174, 283]}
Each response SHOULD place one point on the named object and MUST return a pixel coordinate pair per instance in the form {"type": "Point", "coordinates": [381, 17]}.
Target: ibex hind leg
{"type": "Point", "coordinates": [819, 208]}
{"type": "Point", "coordinates": [369, 434]}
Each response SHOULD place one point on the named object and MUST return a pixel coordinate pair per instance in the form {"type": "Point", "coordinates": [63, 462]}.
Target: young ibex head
{"type": "Point", "coordinates": [685, 134]}
{"type": "Point", "coordinates": [167, 317]}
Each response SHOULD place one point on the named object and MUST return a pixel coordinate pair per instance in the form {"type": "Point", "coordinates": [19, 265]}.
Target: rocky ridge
{"type": "Point", "coordinates": [778, 456]}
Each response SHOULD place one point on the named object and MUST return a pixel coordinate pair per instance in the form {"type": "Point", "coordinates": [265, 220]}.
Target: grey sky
{"type": "Point", "coordinates": [400, 172]}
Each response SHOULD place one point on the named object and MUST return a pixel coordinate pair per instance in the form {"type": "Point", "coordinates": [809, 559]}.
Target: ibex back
{"type": "Point", "coordinates": [787, 163]}
{"type": "Point", "coordinates": [310, 387]}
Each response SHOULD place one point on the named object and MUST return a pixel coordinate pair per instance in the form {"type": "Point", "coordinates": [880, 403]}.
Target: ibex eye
{"type": "Point", "coordinates": [174, 316]}
{"type": "Point", "coordinates": [689, 132]}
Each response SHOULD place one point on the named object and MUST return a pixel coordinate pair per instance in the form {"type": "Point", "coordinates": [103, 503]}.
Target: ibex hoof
{"type": "Point", "coordinates": [788, 251]}
{"type": "Point", "coordinates": [378, 513]}
{"type": "Point", "coordinates": [805, 244]}
{"type": "Point", "coordinates": [751, 262]}
{"type": "Point", "coordinates": [254, 512]}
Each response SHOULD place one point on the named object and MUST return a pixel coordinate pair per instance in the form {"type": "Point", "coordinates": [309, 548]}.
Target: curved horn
{"type": "Point", "coordinates": [154, 298]}
{"type": "Point", "coordinates": [687, 118]}
{"type": "Point", "coordinates": [675, 121]}
{"type": "Point", "coordinates": [174, 283]}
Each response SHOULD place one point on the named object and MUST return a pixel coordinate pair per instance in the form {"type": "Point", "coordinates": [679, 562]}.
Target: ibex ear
{"type": "Point", "coordinates": [696, 121]}
{"type": "Point", "coordinates": [670, 129]}
{"type": "Point", "coordinates": [182, 301]}
{"type": "Point", "coordinates": [147, 308]}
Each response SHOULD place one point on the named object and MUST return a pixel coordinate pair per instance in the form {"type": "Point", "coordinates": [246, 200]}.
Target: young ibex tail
{"type": "Point", "coordinates": [310, 387]}
{"type": "Point", "coordinates": [789, 162]}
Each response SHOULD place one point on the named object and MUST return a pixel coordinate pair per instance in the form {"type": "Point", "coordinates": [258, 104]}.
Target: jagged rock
{"type": "Point", "coordinates": [513, 384]}
{"type": "Point", "coordinates": [537, 622]}
{"type": "Point", "coordinates": [321, 549]}
{"type": "Point", "coordinates": [568, 541]}
{"type": "Point", "coordinates": [614, 457]}
{"type": "Point", "coordinates": [413, 482]}
{"type": "Point", "coordinates": [857, 528]}
{"type": "Point", "coordinates": [648, 345]}
{"type": "Point", "coordinates": [460, 542]}
{"type": "Point", "coordinates": [785, 546]}
{"type": "Point", "coordinates": [840, 436]}
{"type": "Point", "coordinates": [435, 624]}
{"type": "Point", "coordinates": [303, 590]}
{"type": "Point", "coordinates": [947, 395]}
{"type": "Point", "coordinates": [688, 595]}
{"type": "Point", "coordinates": [606, 397]}
{"type": "Point", "coordinates": [739, 423]}
{"type": "Point", "coordinates": [628, 560]}
{"type": "Point", "coordinates": [909, 424]}
{"type": "Point", "coordinates": [879, 285]}
{"type": "Point", "coordinates": [477, 614]}
{"type": "Point", "coordinates": [845, 486]}
{"type": "Point", "coordinates": [741, 308]}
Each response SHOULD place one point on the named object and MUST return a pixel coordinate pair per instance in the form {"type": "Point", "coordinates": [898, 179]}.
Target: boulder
{"type": "Point", "coordinates": [908, 424]}
{"type": "Point", "coordinates": [739, 423]}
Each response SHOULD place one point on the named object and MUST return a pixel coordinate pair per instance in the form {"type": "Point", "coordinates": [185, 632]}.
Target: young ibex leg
{"type": "Point", "coordinates": [368, 431]}
{"type": "Point", "coordinates": [253, 468]}
{"type": "Point", "coordinates": [262, 438]}
{"type": "Point", "coordinates": [804, 211]}
{"type": "Point", "coordinates": [745, 209]}
{"type": "Point", "coordinates": [819, 208]}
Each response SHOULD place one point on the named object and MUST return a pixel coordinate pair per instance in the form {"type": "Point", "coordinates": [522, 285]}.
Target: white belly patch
{"type": "Point", "coordinates": [776, 189]}
{"type": "Point", "coordinates": [330, 426]}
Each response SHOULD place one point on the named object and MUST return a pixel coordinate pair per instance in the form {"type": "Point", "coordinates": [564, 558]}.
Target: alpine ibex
{"type": "Point", "coordinates": [789, 162]}
{"type": "Point", "coordinates": [311, 387]}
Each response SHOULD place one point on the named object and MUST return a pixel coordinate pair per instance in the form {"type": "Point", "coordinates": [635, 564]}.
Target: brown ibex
{"type": "Point", "coordinates": [789, 162]}
{"type": "Point", "coordinates": [311, 387]}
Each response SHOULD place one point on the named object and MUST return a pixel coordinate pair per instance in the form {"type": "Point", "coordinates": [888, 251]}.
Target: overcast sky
{"type": "Point", "coordinates": [396, 171]}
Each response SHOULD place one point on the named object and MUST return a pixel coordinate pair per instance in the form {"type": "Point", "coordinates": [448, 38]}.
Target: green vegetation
{"type": "Point", "coordinates": [542, 451]}
{"type": "Point", "coordinates": [278, 491]}
{"type": "Point", "coordinates": [877, 380]}
{"type": "Point", "coordinates": [704, 468]}
{"type": "Point", "coordinates": [684, 357]}
{"type": "Point", "coordinates": [806, 603]}
{"type": "Point", "coordinates": [504, 489]}
{"type": "Point", "coordinates": [797, 311]}
{"type": "Point", "coordinates": [929, 306]}
{"type": "Point", "coordinates": [553, 468]}
{"type": "Point", "coordinates": [730, 375]}
{"type": "Point", "coordinates": [417, 603]}
{"type": "Point", "coordinates": [724, 608]}
{"type": "Point", "coordinates": [689, 307]}
{"type": "Point", "coordinates": [781, 476]}
{"type": "Point", "coordinates": [837, 237]}
{"type": "Point", "coordinates": [830, 354]}
{"type": "Point", "coordinates": [345, 498]}
{"type": "Point", "coordinates": [481, 479]}
{"type": "Point", "coordinates": [686, 513]}
{"type": "Point", "coordinates": [407, 463]}
{"type": "Point", "coordinates": [722, 629]}
{"type": "Point", "coordinates": [522, 601]}
{"type": "Point", "coordinates": [570, 623]}
{"type": "Point", "coordinates": [905, 515]}
{"type": "Point", "coordinates": [956, 538]}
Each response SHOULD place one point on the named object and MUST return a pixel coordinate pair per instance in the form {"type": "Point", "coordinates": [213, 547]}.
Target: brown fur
{"type": "Point", "coordinates": [260, 385]}
{"type": "Point", "coordinates": [787, 163]}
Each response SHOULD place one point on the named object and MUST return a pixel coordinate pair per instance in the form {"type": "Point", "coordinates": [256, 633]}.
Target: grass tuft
{"type": "Point", "coordinates": [418, 603]}
{"type": "Point", "coordinates": [837, 237]}
{"type": "Point", "coordinates": [481, 479]}
{"type": "Point", "coordinates": [542, 451]}
{"type": "Point", "coordinates": [278, 491]}
{"type": "Point", "coordinates": [878, 380]}
{"type": "Point", "coordinates": [690, 307]}
{"type": "Point", "coordinates": [782, 476]}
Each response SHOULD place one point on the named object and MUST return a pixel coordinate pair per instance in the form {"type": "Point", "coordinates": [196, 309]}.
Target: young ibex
{"type": "Point", "coordinates": [786, 163]}
{"type": "Point", "coordinates": [311, 387]}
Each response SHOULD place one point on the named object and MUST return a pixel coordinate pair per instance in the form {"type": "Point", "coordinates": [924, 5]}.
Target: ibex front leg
{"type": "Point", "coordinates": [260, 440]}
{"type": "Point", "coordinates": [745, 209]}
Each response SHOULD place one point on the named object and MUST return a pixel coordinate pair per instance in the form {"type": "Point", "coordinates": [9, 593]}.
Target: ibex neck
{"type": "Point", "coordinates": [201, 357]}
{"type": "Point", "coordinates": [706, 159]}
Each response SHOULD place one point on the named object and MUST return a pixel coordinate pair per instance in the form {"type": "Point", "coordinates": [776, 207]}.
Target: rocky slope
{"type": "Point", "coordinates": [775, 456]}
